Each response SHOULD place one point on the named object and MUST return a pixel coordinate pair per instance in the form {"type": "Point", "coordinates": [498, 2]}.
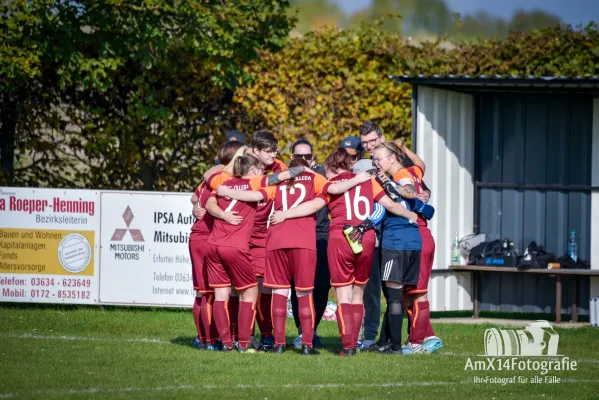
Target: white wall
{"type": "Point", "coordinates": [445, 142]}
{"type": "Point", "coordinates": [595, 199]}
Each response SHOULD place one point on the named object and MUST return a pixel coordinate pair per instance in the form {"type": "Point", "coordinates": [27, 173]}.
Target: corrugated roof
{"type": "Point", "coordinates": [503, 81]}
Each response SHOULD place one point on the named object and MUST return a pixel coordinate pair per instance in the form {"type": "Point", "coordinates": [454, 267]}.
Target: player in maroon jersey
{"type": "Point", "coordinates": [421, 335]}
{"type": "Point", "coordinates": [349, 272]}
{"type": "Point", "coordinates": [200, 232]}
{"type": "Point", "coordinates": [289, 255]}
{"type": "Point", "coordinates": [264, 146]}
{"type": "Point", "coordinates": [229, 260]}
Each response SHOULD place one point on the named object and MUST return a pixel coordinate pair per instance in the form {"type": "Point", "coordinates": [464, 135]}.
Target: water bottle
{"type": "Point", "coordinates": [572, 248]}
{"type": "Point", "coordinates": [455, 250]}
{"type": "Point", "coordinates": [355, 246]}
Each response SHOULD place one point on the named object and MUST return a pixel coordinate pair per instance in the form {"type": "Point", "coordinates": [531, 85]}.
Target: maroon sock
{"type": "Point", "coordinates": [429, 329]}
{"type": "Point", "coordinates": [345, 320]}
{"type": "Point", "coordinates": [247, 316]}
{"type": "Point", "coordinates": [207, 318]}
{"type": "Point", "coordinates": [233, 313]}
{"type": "Point", "coordinates": [221, 319]}
{"type": "Point", "coordinates": [197, 318]}
{"type": "Point", "coordinates": [279, 317]}
{"type": "Point", "coordinates": [306, 316]}
{"type": "Point", "coordinates": [422, 318]}
{"type": "Point", "coordinates": [264, 318]}
{"type": "Point", "coordinates": [358, 312]}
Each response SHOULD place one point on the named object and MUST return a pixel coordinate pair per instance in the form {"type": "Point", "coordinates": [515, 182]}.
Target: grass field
{"type": "Point", "coordinates": [119, 353]}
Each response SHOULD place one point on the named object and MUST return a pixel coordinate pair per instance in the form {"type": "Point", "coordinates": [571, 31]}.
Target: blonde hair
{"type": "Point", "coordinates": [394, 148]}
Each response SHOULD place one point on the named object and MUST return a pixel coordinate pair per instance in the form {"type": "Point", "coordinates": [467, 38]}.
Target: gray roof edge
{"type": "Point", "coordinates": [481, 80]}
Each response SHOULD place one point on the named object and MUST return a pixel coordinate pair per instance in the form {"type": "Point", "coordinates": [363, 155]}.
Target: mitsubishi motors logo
{"type": "Point", "coordinates": [119, 234]}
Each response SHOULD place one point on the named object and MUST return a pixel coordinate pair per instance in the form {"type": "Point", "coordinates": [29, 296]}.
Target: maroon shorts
{"type": "Point", "coordinates": [427, 256]}
{"type": "Point", "coordinates": [346, 267]}
{"type": "Point", "coordinates": [284, 264]}
{"type": "Point", "coordinates": [230, 264]}
{"type": "Point", "coordinates": [258, 260]}
{"type": "Point", "coordinates": [199, 269]}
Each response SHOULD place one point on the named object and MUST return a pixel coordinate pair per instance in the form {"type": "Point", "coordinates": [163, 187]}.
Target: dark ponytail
{"type": "Point", "coordinates": [296, 162]}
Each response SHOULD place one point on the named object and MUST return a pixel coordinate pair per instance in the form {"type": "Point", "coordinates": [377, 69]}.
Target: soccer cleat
{"type": "Point", "coordinates": [199, 345]}
{"type": "Point", "coordinates": [213, 347]}
{"type": "Point", "coordinates": [431, 344]}
{"type": "Point", "coordinates": [392, 351]}
{"type": "Point", "coordinates": [248, 349]}
{"type": "Point", "coordinates": [376, 348]}
{"type": "Point", "coordinates": [225, 348]}
{"type": "Point", "coordinates": [297, 342]}
{"type": "Point", "coordinates": [267, 343]}
{"type": "Point", "coordinates": [366, 344]}
{"type": "Point", "coordinates": [317, 341]}
{"type": "Point", "coordinates": [348, 352]}
{"type": "Point", "coordinates": [308, 351]}
{"type": "Point", "coordinates": [279, 349]}
{"type": "Point", "coordinates": [410, 348]}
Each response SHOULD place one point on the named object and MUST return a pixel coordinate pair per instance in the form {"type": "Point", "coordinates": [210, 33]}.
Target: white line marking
{"type": "Point", "coordinates": [82, 338]}
{"type": "Point", "coordinates": [159, 341]}
{"type": "Point", "coordinates": [254, 386]}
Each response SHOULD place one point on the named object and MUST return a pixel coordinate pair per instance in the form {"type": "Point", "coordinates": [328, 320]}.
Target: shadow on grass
{"type": "Point", "coordinates": [186, 341]}
{"type": "Point", "coordinates": [331, 344]}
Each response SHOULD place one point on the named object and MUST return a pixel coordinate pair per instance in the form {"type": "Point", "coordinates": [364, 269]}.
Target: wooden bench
{"type": "Point", "coordinates": [476, 271]}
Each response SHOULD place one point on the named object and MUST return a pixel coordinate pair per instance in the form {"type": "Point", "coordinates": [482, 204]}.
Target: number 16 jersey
{"type": "Point", "coordinates": [353, 206]}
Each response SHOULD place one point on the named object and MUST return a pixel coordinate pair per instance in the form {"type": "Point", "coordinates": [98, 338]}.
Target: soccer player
{"type": "Point", "coordinates": [302, 149]}
{"type": "Point", "coordinates": [292, 256]}
{"type": "Point", "coordinates": [214, 177]}
{"type": "Point", "coordinates": [421, 335]}
{"type": "Point", "coordinates": [200, 232]}
{"type": "Point", "coordinates": [402, 244]}
{"type": "Point", "coordinates": [229, 260]}
{"type": "Point", "coordinates": [349, 272]}
{"type": "Point", "coordinates": [264, 145]}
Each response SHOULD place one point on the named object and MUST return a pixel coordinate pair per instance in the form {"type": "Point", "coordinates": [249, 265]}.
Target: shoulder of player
{"type": "Point", "coordinates": [280, 164]}
{"type": "Point", "coordinates": [402, 173]}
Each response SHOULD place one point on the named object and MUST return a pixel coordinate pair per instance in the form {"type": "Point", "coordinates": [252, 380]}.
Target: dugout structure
{"type": "Point", "coordinates": [509, 156]}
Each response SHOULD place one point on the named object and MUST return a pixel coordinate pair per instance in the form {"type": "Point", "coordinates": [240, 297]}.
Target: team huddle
{"type": "Point", "coordinates": [264, 231]}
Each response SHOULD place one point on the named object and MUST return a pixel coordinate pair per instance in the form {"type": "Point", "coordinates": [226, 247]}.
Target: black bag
{"type": "Point", "coordinates": [566, 262]}
{"type": "Point", "coordinates": [536, 257]}
{"type": "Point", "coordinates": [484, 249]}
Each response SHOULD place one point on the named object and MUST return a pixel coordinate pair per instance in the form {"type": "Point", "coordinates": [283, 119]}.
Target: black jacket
{"type": "Point", "coordinates": [322, 216]}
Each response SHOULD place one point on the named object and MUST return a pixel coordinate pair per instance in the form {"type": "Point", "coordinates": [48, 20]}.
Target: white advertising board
{"type": "Point", "coordinates": [49, 245]}
{"type": "Point", "coordinates": [144, 253]}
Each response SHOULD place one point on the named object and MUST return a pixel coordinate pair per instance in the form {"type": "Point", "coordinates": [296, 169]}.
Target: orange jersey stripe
{"type": "Point", "coordinates": [343, 284]}
{"type": "Point", "coordinates": [340, 309]}
{"type": "Point", "coordinates": [312, 310]}
{"type": "Point", "coordinates": [246, 287]}
{"type": "Point", "coordinates": [415, 314]}
{"type": "Point", "coordinates": [220, 285]}
{"type": "Point", "coordinates": [260, 308]}
{"type": "Point", "coordinates": [209, 308]}
{"type": "Point", "coordinates": [277, 286]}
{"type": "Point", "coordinates": [304, 289]}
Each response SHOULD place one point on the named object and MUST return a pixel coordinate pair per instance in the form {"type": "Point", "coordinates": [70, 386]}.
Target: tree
{"type": "Point", "coordinates": [141, 86]}
{"type": "Point", "coordinates": [324, 85]}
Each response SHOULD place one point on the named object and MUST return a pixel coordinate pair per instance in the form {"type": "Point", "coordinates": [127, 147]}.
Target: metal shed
{"type": "Point", "coordinates": [509, 156]}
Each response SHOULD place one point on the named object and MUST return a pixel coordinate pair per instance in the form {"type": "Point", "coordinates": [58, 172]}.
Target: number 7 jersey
{"type": "Point", "coordinates": [296, 233]}
{"type": "Point", "coordinates": [353, 206]}
{"type": "Point", "coordinates": [225, 234]}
